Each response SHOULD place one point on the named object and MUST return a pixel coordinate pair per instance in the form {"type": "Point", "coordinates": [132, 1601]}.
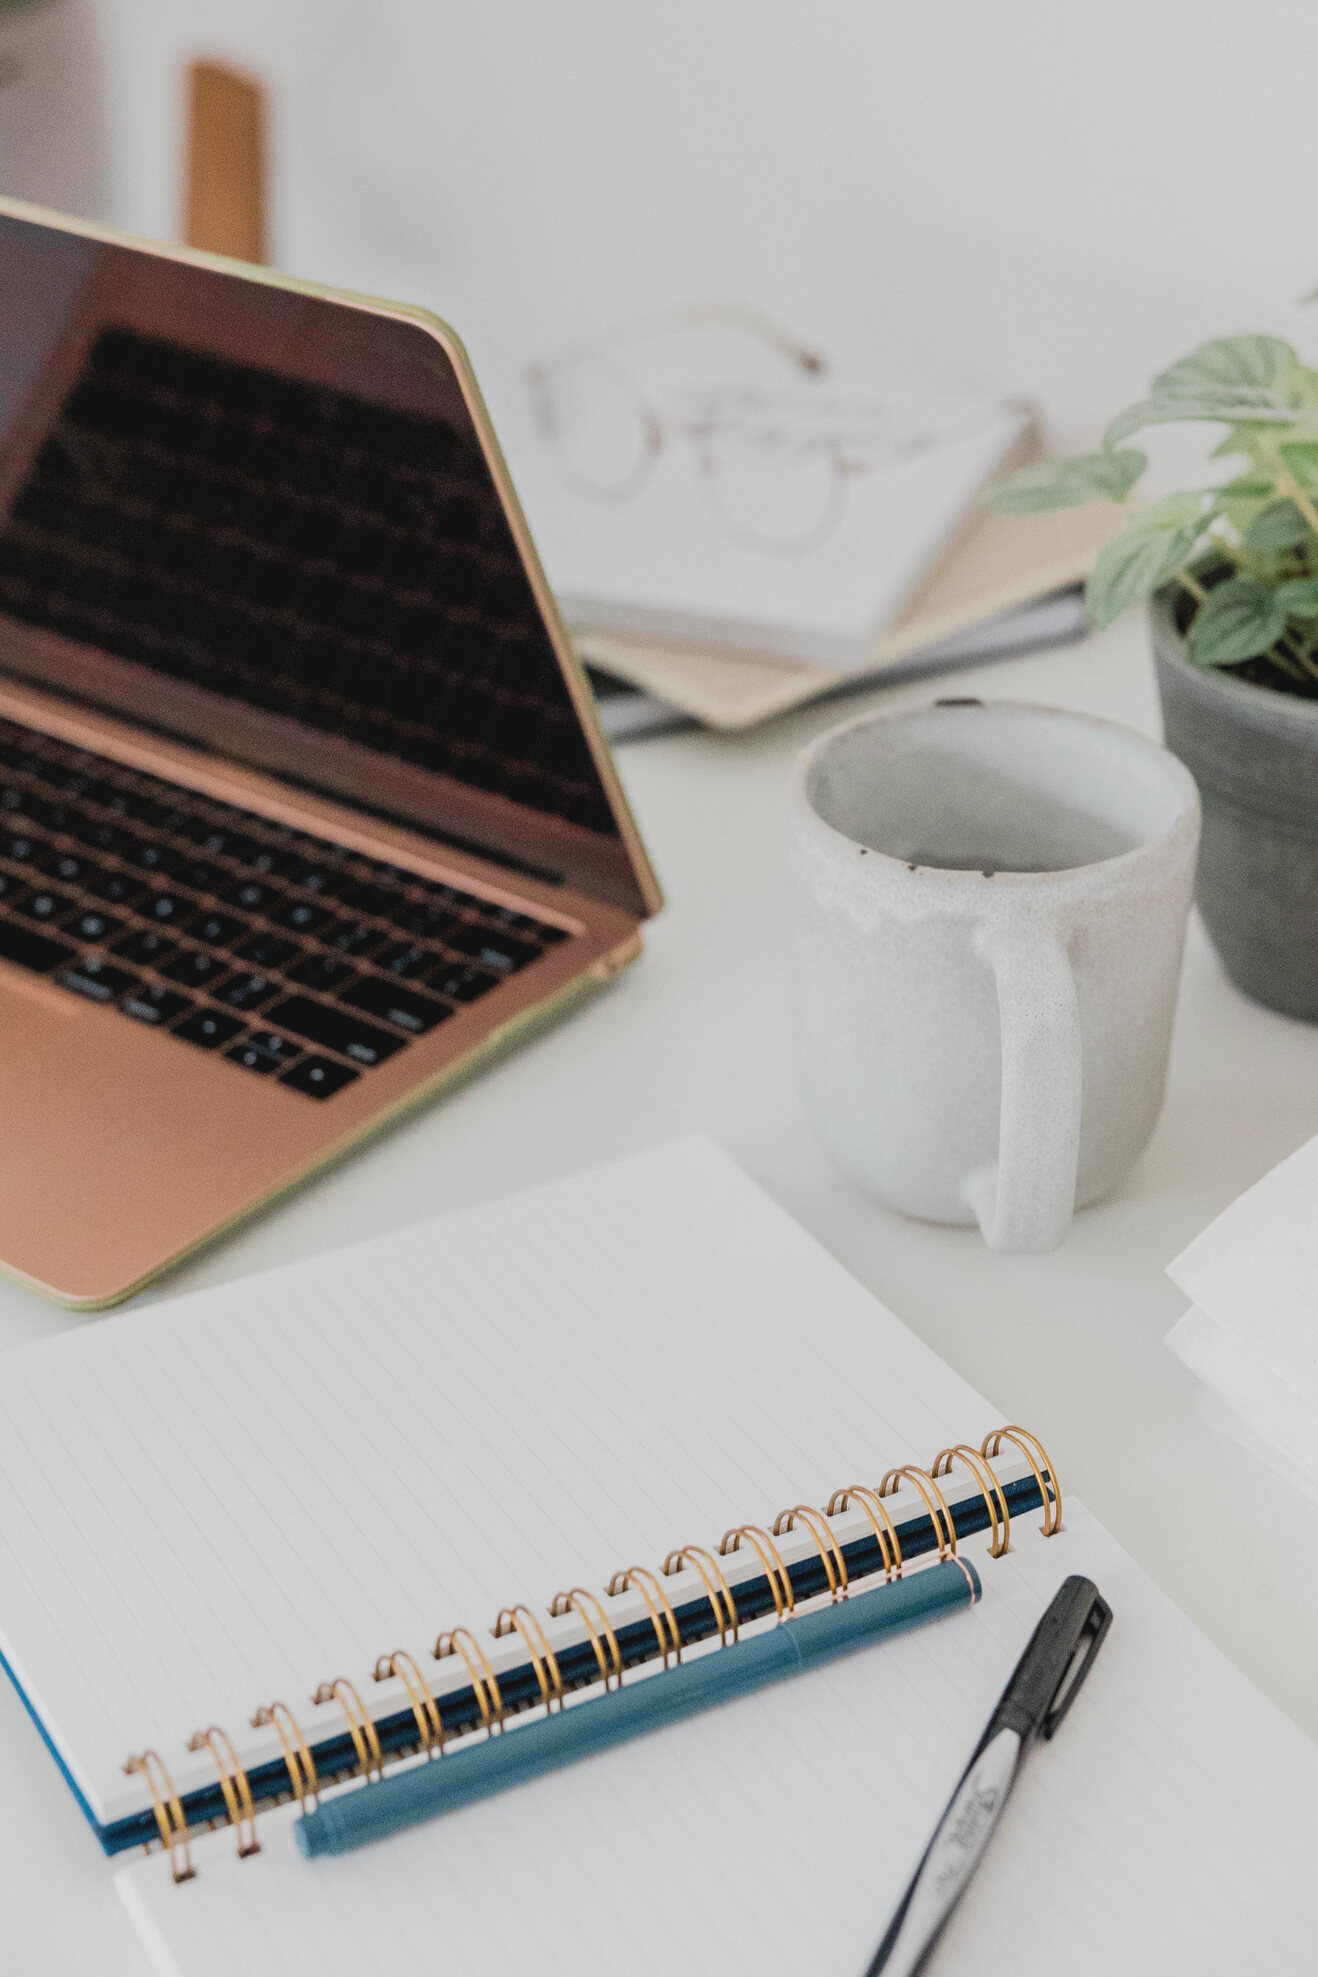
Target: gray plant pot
{"type": "Point", "coordinates": [1254, 755]}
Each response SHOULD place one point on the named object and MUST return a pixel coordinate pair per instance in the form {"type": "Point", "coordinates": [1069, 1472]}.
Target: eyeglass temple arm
{"type": "Point", "coordinates": [742, 314]}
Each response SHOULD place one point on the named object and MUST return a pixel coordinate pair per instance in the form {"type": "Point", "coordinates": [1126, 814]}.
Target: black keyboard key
{"type": "Point", "coordinates": [327, 972]}
{"type": "Point", "coordinates": [150, 856]}
{"type": "Point", "coordinates": [301, 915]}
{"type": "Point", "coordinates": [197, 970]}
{"type": "Point", "coordinates": [150, 949]}
{"type": "Point", "coordinates": [491, 949]}
{"type": "Point", "coordinates": [116, 888]}
{"type": "Point", "coordinates": [373, 899]}
{"type": "Point", "coordinates": [282, 1048]}
{"type": "Point", "coordinates": [406, 960]}
{"type": "Point", "coordinates": [516, 923]}
{"type": "Point", "coordinates": [252, 1059]}
{"type": "Point", "coordinates": [273, 861]}
{"type": "Point", "coordinates": [294, 869]}
{"type": "Point", "coordinates": [329, 882]}
{"type": "Point", "coordinates": [449, 898]}
{"type": "Point", "coordinates": [20, 848]}
{"type": "Point", "coordinates": [248, 894]}
{"type": "Point", "coordinates": [463, 984]}
{"type": "Point", "coordinates": [220, 840]}
{"type": "Point", "coordinates": [166, 909]}
{"type": "Point", "coordinates": [12, 799]}
{"type": "Point", "coordinates": [355, 937]}
{"type": "Point", "coordinates": [132, 803]}
{"type": "Point", "coordinates": [427, 922]}
{"type": "Point", "coordinates": [149, 1003]}
{"type": "Point", "coordinates": [218, 929]}
{"type": "Point", "coordinates": [267, 950]}
{"type": "Point", "coordinates": [55, 816]}
{"type": "Point", "coordinates": [406, 1007]}
{"type": "Point", "coordinates": [94, 790]}
{"type": "Point", "coordinates": [550, 936]}
{"type": "Point", "coordinates": [69, 866]}
{"type": "Point", "coordinates": [194, 827]}
{"type": "Point", "coordinates": [247, 991]}
{"type": "Point", "coordinates": [323, 879]}
{"type": "Point", "coordinates": [335, 1029]}
{"type": "Point", "coordinates": [198, 875]}
{"type": "Point", "coordinates": [32, 950]}
{"type": "Point", "coordinates": [318, 1078]}
{"type": "Point", "coordinates": [93, 926]}
{"type": "Point", "coordinates": [209, 1031]}
{"type": "Point", "coordinates": [96, 834]}
{"type": "Point", "coordinates": [97, 980]}
{"type": "Point", "coordinates": [11, 889]}
{"type": "Point", "coordinates": [45, 905]}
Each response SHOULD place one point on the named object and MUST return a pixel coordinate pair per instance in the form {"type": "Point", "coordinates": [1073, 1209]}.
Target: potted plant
{"type": "Point", "coordinates": [1232, 572]}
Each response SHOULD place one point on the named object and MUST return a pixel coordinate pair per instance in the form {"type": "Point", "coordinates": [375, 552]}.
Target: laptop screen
{"type": "Point", "coordinates": [265, 522]}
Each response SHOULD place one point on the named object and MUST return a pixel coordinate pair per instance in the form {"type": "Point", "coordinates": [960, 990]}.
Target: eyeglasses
{"type": "Point", "coordinates": [773, 461]}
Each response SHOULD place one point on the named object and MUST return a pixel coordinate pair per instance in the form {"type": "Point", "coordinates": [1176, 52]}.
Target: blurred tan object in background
{"type": "Point", "coordinates": [224, 195]}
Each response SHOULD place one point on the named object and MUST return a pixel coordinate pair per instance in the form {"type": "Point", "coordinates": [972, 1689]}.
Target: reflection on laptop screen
{"type": "Point", "coordinates": [264, 521]}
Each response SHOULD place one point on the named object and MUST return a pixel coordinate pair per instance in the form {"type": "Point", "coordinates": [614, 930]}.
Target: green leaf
{"type": "Point", "coordinates": [1227, 362]}
{"type": "Point", "coordinates": [1275, 529]}
{"type": "Point", "coordinates": [1131, 568]}
{"type": "Point", "coordinates": [1238, 620]}
{"type": "Point", "coordinates": [1248, 487]}
{"type": "Point", "coordinates": [1299, 598]}
{"type": "Point", "coordinates": [1177, 511]}
{"type": "Point", "coordinates": [1239, 406]}
{"type": "Point", "coordinates": [1105, 476]}
{"type": "Point", "coordinates": [1243, 498]}
{"type": "Point", "coordinates": [1301, 456]}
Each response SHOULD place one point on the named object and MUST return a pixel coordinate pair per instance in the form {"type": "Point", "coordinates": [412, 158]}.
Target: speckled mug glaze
{"type": "Point", "coordinates": [989, 905]}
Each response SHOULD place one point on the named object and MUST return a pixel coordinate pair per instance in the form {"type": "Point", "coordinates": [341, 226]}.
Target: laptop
{"type": "Point", "coordinates": [304, 808]}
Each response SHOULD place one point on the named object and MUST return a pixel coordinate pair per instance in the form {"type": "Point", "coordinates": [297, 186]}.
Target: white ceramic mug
{"type": "Point", "coordinates": [989, 907]}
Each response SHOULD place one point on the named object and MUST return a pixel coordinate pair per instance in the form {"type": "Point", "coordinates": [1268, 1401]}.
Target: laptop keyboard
{"type": "Point", "coordinates": [286, 955]}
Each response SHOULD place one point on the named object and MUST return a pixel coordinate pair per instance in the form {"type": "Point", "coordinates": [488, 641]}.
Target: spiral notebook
{"type": "Point", "coordinates": [216, 1510]}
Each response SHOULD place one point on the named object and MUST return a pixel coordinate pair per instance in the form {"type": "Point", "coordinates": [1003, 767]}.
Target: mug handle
{"type": "Point", "coordinates": [1024, 1200]}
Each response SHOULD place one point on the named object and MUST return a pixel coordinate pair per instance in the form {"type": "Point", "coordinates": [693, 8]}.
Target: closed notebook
{"type": "Point", "coordinates": [249, 1497]}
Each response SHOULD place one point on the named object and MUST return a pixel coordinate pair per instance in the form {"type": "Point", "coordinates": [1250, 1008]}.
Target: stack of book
{"type": "Point", "coordinates": [728, 540]}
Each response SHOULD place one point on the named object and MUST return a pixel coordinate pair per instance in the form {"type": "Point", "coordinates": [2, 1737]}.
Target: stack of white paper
{"type": "Point", "coordinates": [1250, 1333]}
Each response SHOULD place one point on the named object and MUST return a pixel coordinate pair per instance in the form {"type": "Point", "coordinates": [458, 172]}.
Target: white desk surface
{"type": "Point", "coordinates": [697, 1035]}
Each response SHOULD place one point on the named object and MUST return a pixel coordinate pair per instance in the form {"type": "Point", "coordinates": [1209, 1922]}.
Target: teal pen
{"type": "Point", "coordinates": [496, 1763]}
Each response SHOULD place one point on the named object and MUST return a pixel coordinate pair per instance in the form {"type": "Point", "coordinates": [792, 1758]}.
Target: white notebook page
{"type": "Point", "coordinates": [226, 1500]}
{"type": "Point", "coordinates": [1168, 1831]}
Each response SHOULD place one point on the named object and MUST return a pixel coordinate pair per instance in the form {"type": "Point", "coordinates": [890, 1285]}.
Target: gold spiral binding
{"type": "Point", "coordinates": [457, 1640]}
{"type": "Point", "coordinates": [936, 1504]}
{"type": "Point", "coordinates": [360, 1726]}
{"type": "Point", "coordinates": [424, 1707]}
{"type": "Point", "coordinates": [169, 1813]}
{"type": "Point", "coordinates": [885, 1531]}
{"type": "Point", "coordinates": [233, 1783]}
{"type": "Point", "coordinates": [573, 1602]}
{"type": "Point", "coordinates": [301, 1765]}
{"type": "Point", "coordinates": [522, 1618]}
{"type": "Point", "coordinates": [646, 1583]}
{"type": "Point", "coordinates": [1030, 1446]}
{"type": "Point", "coordinates": [780, 1579]}
{"type": "Point", "coordinates": [989, 1487]}
{"type": "Point", "coordinates": [715, 1587]}
{"type": "Point", "coordinates": [829, 1548]}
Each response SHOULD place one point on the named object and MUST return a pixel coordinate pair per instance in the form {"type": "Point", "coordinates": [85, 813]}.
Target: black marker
{"type": "Point", "coordinates": [1045, 1683]}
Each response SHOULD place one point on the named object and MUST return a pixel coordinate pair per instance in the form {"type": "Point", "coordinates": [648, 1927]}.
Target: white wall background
{"type": "Point", "coordinates": [1023, 194]}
